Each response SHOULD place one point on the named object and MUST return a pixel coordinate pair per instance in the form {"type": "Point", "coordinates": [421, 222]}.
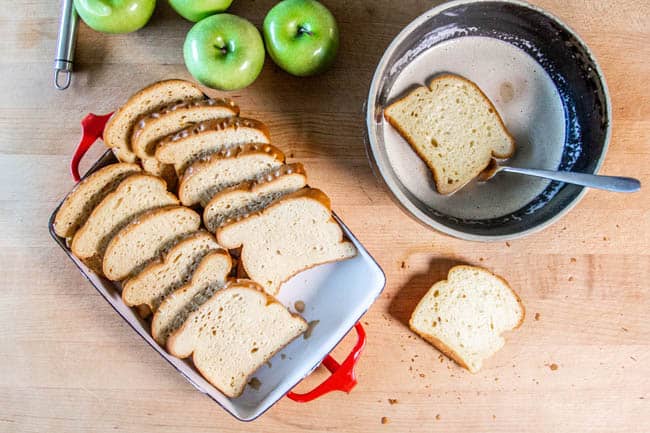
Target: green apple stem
{"type": "Point", "coordinates": [304, 31]}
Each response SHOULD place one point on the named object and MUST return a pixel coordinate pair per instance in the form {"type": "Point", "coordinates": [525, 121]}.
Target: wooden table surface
{"type": "Point", "coordinates": [68, 363]}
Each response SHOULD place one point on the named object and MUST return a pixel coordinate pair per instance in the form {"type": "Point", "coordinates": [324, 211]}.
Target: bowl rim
{"type": "Point", "coordinates": [400, 198]}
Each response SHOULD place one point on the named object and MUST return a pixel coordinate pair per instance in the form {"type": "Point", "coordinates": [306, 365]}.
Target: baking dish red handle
{"type": "Point", "coordinates": [342, 378]}
{"type": "Point", "coordinates": [92, 128]}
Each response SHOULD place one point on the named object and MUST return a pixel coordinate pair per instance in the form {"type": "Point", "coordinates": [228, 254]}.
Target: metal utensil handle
{"type": "Point", "coordinates": [608, 183]}
{"type": "Point", "coordinates": [65, 45]}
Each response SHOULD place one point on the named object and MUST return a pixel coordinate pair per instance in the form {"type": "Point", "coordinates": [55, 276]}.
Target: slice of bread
{"type": "Point", "coordinates": [151, 127]}
{"type": "Point", "coordinates": [229, 167]}
{"type": "Point", "coordinates": [145, 238]}
{"type": "Point", "coordinates": [465, 315]}
{"type": "Point", "coordinates": [253, 196]}
{"type": "Point", "coordinates": [294, 233]}
{"type": "Point", "coordinates": [163, 276]}
{"type": "Point", "coordinates": [210, 276]}
{"type": "Point", "coordinates": [119, 128]}
{"type": "Point", "coordinates": [234, 333]}
{"type": "Point", "coordinates": [205, 138]}
{"type": "Point", "coordinates": [134, 195]}
{"type": "Point", "coordinates": [453, 127]}
{"type": "Point", "coordinates": [78, 205]}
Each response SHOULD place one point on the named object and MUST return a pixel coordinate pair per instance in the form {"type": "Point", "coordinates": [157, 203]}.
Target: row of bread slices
{"type": "Point", "coordinates": [123, 223]}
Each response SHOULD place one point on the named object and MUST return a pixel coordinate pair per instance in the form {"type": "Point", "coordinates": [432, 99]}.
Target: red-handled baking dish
{"type": "Point", "coordinates": [336, 295]}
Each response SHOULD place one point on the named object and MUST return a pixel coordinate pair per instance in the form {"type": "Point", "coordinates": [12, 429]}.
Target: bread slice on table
{"type": "Point", "coordinates": [197, 141]}
{"type": "Point", "coordinates": [151, 127]}
{"type": "Point", "coordinates": [465, 315]}
{"type": "Point", "coordinates": [229, 167]}
{"type": "Point", "coordinates": [147, 237]}
{"type": "Point", "coordinates": [119, 128]}
{"type": "Point", "coordinates": [234, 333]}
{"type": "Point", "coordinates": [163, 276]}
{"type": "Point", "coordinates": [209, 276]}
{"type": "Point", "coordinates": [253, 196]}
{"type": "Point", "coordinates": [78, 205]}
{"type": "Point", "coordinates": [294, 233]}
{"type": "Point", "coordinates": [134, 195]}
{"type": "Point", "coordinates": [453, 127]}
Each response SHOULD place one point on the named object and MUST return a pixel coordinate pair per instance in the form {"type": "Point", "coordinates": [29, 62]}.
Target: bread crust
{"type": "Point", "coordinates": [441, 346]}
{"type": "Point", "coordinates": [126, 154]}
{"type": "Point", "coordinates": [436, 177]}
{"type": "Point", "coordinates": [167, 143]}
{"type": "Point", "coordinates": [144, 120]}
{"type": "Point", "coordinates": [85, 183]}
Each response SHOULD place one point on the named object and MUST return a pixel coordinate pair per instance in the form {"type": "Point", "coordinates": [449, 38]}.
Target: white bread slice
{"type": "Point", "coordinates": [134, 195]}
{"type": "Point", "coordinates": [465, 315]}
{"type": "Point", "coordinates": [453, 127]}
{"type": "Point", "coordinates": [229, 167]}
{"type": "Point", "coordinates": [234, 333]}
{"type": "Point", "coordinates": [145, 238]}
{"type": "Point", "coordinates": [210, 276]}
{"type": "Point", "coordinates": [151, 127]}
{"type": "Point", "coordinates": [119, 128]}
{"type": "Point", "coordinates": [294, 233]}
{"type": "Point", "coordinates": [78, 205]}
{"type": "Point", "coordinates": [163, 276]}
{"type": "Point", "coordinates": [210, 136]}
{"type": "Point", "coordinates": [253, 196]}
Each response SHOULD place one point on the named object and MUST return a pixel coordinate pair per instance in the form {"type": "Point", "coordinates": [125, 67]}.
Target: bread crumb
{"type": "Point", "coordinates": [283, 356]}
{"type": "Point", "coordinates": [573, 260]}
{"type": "Point", "coordinates": [494, 416]}
{"type": "Point", "coordinates": [508, 244]}
{"type": "Point", "coordinates": [553, 366]}
{"type": "Point", "coordinates": [422, 375]}
{"type": "Point", "coordinates": [438, 417]}
{"type": "Point", "coordinates": [299, 306]}
{"type": "Point", "coordinates": [570, 278]}
{"type": "Point", "coordinates": [624, 329]}
{"type": "Point", "coordinates": [605, 238]}
{"type": "Point", "coordinates": [537, 316]}
{"type": "Point", "coordinates": [392, 401]}
{"type": "Point", "coordinates": [310, 328]}
{"type": "Point", "coordinates": [255, 383]}
{"type": "Point", "coordinates": [384, 420]}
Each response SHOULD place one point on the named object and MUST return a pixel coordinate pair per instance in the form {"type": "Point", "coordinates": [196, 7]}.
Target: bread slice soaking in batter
{"type": "Point", "coordinates": [453, 127]}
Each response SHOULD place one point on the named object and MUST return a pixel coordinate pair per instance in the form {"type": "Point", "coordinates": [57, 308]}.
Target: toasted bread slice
{"type": "Point", "coordinates": [119, 128]}
{"type": "Point", "coordinates": [145, 238]}
{"type": "Point", "coordinates": [209, 276]}
{"type": "Point", "coordinates": [204, 138]}
{"type": "Point", "coordinates": [294, 233]}
{"type": "Point", "coordinates": [253, 196]}
{"type": "Point", "coordinates": [78, 205]}
{"type": "Point", "coordinates": [163, 276]}
{"type": "Point", "coordinates": [229, 167]}
{"type": "Point", "coordinates": [465, 315]}
{"type": "Point", "coordinates": [234, 333]}
{"type": "Point", "coordinates": [134, 195]}
{"type": "Point", "coordinates": [453, 127]}
{"type": "Point", "coordinates": [152, 127]}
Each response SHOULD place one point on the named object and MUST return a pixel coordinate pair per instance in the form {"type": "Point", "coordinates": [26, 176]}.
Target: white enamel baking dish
{"type": "Point", "coordinates": [335, 294]}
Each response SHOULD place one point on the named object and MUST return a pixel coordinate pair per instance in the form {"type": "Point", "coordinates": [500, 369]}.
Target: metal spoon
{"type": "Point", "coordinates": [608, 183]}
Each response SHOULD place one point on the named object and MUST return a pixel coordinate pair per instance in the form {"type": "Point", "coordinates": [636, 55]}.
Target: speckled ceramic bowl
{"type": "Point", "coordinates": [543, 81]}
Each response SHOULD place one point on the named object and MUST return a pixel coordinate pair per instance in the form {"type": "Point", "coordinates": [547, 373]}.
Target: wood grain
{"type": "Point", "coordinates": [69, 364]}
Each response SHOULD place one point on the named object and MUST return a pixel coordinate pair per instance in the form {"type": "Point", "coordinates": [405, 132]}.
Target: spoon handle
{"type": "Point", "coordinates": [608, 183]}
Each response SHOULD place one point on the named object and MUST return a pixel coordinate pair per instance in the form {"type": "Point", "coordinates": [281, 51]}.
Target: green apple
{"type": "Point", "coordinates": [196, 10]}
{"type": "Point", "coordinates": [301, 36]}
{"type": "Point", "coordinates": [115, 16]}
{"type": "Point", "coordinates": [224, 52]}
